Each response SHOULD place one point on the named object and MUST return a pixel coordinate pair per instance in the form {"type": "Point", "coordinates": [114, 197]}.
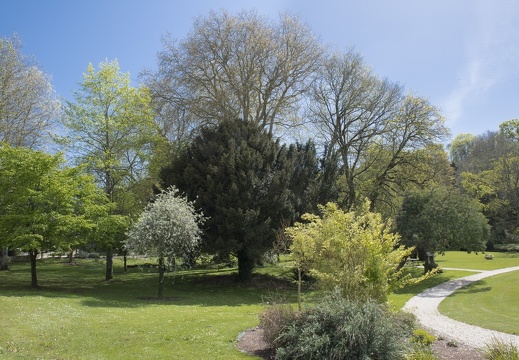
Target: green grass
{"type": "Point", "coordinates": [453, 259]}
{"type": "Point", "coordinates": [477, 261]}
{"type": "Point", "coordinates": [490, 303]}
{"type": "Point", "coordinates": [76, 315]}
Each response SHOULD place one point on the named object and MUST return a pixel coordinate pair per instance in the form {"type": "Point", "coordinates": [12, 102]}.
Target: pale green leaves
{"type": "Point", "coordinates": [354, 251]}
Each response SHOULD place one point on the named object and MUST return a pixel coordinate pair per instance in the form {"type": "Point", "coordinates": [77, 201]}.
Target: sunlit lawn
{"type": "Point", "coordinates": [464, 260]}
{"type": "Point", "coordinates": [77, 315]}
{"type": "Point", "coordinates": [491, 303]}
{"type": "Point", "coordinates": [454, 259]}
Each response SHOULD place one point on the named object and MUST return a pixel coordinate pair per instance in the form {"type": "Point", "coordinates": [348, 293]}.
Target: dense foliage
{"type": "Point", "coordinates": [44, 205]}
{"type": "Point", "coordinates": [442, 219]}
{"type": "Point", "coordinates": [109, 128]}
{"type": "Point", "coordinates": [489, 172]}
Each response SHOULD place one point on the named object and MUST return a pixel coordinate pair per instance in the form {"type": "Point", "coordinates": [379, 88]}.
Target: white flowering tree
{"type": "Point", "coordinates": [168, 228]}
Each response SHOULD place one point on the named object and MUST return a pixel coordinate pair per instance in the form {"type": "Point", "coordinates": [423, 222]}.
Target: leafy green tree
{"type": "Point", "coordinates": [240, 177]}
{"type": "Point", "coordinates": [354, 251]}
{"type": "Point", "coordinates": [110, 129]}
{"type": "Point", "coordinates": [489, 172]}
{"type": "Point", "coordinates": [481, 152]}
{"type": "Point", "coordinates": [27, 103]}
{"type": "Point", "coordinates": [418, 169]}
{"type": "Point", "coordinates": [461, 147]}
{"type": "Point", "coordinates": [168, 228]}
{"type": "Point", "coordinates": [442, 219]}
{"type": "Point", "coordinates": [43, 205]}
{"type": "Point", "coordinates": [110, 229]}
{"type": "Point", "coordinates": [497, 190]}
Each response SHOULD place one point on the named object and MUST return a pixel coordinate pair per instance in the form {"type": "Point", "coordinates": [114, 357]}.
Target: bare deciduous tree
{"type": "Point", "coordinates": [368, 122]}
{"type": "Point", "coordinates": [27, 102]}
{"type": "Point", "coordinates": [235, 66]}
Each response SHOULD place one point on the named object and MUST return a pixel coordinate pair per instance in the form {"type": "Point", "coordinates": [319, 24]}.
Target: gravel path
{"type": "Point", "coordinates": [425, 307]}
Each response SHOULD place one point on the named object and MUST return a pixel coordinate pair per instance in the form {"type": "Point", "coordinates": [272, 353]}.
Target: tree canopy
{"type": "Point", "coordinates": [44, 205]}
{"type": "Point", "coordinates": [354, 251]}
{"type": "Point", "coordinates": [442, 219]}
{"type": "Point", "coordinates": [369, 126]}
{"type": "Point", "coordinates": [489, 171]}
{"type": "Point", "coordinates": [109, 128]}
{"type": "Point", "coordinates": [241, 66]}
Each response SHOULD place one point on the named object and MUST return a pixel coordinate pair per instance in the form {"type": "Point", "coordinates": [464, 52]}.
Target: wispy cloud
{"type": "Point", "coordinates": [492, 56]}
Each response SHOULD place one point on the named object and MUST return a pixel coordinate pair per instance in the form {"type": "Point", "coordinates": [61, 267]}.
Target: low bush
{"type": "Point", "coordinates": [274, 320]}
{"type": "Point", "coordinates": [338, 328]}
{"type": "Point", "coordinates": [500, 350]}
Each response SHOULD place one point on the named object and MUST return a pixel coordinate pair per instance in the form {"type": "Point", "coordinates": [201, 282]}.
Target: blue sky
{"type": "Point", "coordinates": [463, 55]}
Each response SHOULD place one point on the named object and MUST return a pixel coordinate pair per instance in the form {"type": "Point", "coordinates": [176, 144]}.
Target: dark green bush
{"type": "Point", "coordinates": [338, 328]}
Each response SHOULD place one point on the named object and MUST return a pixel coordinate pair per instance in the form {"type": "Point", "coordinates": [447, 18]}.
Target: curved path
{"type": "Point", "coordinates": [425, 307]}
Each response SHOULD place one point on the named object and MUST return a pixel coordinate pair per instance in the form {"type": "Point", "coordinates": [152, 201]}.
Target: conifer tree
{"type": "Point", "coordinates": [239, 176]}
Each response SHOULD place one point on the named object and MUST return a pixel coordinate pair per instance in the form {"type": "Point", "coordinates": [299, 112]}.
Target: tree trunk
{"type": "Point", "coordinates": [245, 265]}
{"type": "Point", "coordinates": [299, 280]}
{"type": "Point", "coordinates": [70, 256]}
{"type": "Point", "coordinates": [162, 271]}
{"type": "Point", "coordinates": [34, 279]}
{"type": "Point", "coordinates": [429, 264]}
{"type": "Point", "coordinates": [109, 265]}
{"type": "Point", "coordinates": [4, 262]}
{"type": "Point", "coordinates": [124, 260]}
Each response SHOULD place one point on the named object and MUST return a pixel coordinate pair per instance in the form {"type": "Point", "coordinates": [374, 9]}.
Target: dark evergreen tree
{"type": "Point", "coordinates": [246, 183]}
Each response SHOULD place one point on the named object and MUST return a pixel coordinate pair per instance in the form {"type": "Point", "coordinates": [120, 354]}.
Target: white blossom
{"type": "Point", "coordinates": [169, 227]}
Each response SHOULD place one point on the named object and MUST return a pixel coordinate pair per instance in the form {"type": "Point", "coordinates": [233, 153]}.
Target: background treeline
{"type": "Point", "coordinates": [256, 122]}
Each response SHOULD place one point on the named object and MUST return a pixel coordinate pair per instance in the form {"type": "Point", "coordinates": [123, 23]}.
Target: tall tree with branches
{"type": "Point", "coordinates": [110, 129]}
{"type": "Point", "coordinates": [368, 123]}
{"type": "Point", "coordinates": [28, 106]}
{"type": "Point", "coordinates": [241, 66]}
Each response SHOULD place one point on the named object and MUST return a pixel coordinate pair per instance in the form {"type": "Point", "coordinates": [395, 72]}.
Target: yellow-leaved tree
{"type": "Point", "coordinates": [354, 251]}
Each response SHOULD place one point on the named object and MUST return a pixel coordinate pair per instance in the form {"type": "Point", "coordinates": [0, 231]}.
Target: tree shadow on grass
{"type": "Point", "coordinates": [198, 290]}
{"type": "Point", "coordinates": [473, 288]}
{"type": "Point", "coordinates": [138, 287]}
